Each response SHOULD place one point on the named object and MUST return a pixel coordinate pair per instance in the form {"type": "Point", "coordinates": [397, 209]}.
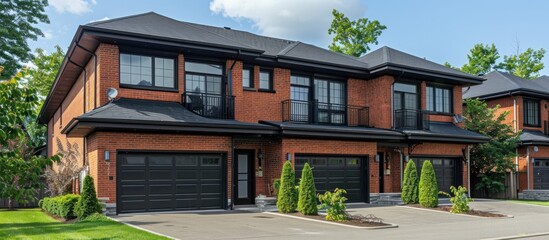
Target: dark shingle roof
{"type": "Point", "coordinates": [388, 56]}
{"type": "Point", "coordinates": [446, 131]}
{"type": "Point", "coordinates": [498, 83]}
{"type": "Point", "coordinates": [533, 137]}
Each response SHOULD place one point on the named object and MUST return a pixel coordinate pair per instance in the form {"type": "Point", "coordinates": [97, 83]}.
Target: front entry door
{"type": "Point", "coordinates": [244, 176]}
{"type": "Point", "coordinates": [381, 161]}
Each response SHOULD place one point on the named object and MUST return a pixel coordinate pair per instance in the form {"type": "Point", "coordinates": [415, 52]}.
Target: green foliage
{"type": "Point", "coordinates": [276, 186]}
{"type": "Point", "coordinates": [527, 64]}
{"type": "Point", "coordinates": [410, 184]}
{"type": "Point", "coordinates": [428, 188]}
{"type": "Point", "coordinates": [95, 217]}
{"type": "Point", "coordinates": [20, 169]}
{"type": "Point", "coordinates": [88, 203]}
{"type": "Point", "coordinates": [460, 201]}
{"type": "Point", "coordinates": [482, 59]}
{"type": "Point", "coordinates": [492, 160]}
{"type": "Point", "coordinates": [307, 192]}
{"type": "Point", "coordinates": [335, 205]}
{"type": "Point", "coordinates": [18, 18]}
{"type": "Point", "coordinates": [353, 37]}
{"type": "Point", "coordinates": [62, 206]}
{"type": "Point", "coordinates": [47, 65]}
{"type": "Point", "coordinates": [287, 196]}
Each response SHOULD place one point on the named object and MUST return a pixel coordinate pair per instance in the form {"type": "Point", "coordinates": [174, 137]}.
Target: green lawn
{"type": "Point", "coordinates": [541, 203]}
{"type": "Point", "coordinates": [34, 224]}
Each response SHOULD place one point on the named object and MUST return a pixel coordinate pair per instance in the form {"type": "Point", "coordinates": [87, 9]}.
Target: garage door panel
{"type": "Point", "coordinates": [165, 182]}
{"type": "Point", "coordinates": [541, 174]}
{"type": "Point", "coordinates": [445, 170]}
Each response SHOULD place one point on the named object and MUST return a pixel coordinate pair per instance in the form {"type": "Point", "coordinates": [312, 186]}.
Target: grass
{"type": "Point", "coordinates": [34, 224]}
{"type": "Point", "coordinates": [533, 202]}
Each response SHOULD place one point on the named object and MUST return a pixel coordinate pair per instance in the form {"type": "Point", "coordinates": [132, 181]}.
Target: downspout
{"type": "Point", "coordinates": [84, 83]}
{"type": "Point", "coordinates": [515, 177]}
{"type": "Point", "coordinates": [468, 156]}
{"type": "Point", "coordinates": [94, 73]}
{"type": "Point", "coordinates": [233, 182]}
{"type": "Point", "coordinates": [528, 166]}
{"type": "Point", "coordinates": [230, 75]}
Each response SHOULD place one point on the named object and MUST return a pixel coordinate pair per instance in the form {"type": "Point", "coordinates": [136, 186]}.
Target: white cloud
{"type": "Point", "coordinates": [304, 20]}
{"type": "Point", "coordinates": [72, 6]}
{"type": "Point", "coordinates": [48, 34]}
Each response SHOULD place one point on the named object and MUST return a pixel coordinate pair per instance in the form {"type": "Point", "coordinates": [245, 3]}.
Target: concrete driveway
{"type": "Point", "coordinates": [413, 224]}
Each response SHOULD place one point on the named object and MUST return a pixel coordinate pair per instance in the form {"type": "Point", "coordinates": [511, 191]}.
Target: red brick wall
{"type": "Point", "coordinates": [376, 93]}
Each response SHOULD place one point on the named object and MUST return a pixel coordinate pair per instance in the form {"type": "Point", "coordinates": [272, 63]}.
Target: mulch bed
{"type": "Point", "coordinates": [472, 212]}
{"type": "Point", "coordinates": [352, 222]}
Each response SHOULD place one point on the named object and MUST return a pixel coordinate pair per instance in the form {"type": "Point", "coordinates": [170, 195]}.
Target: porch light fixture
{"type": "Point", "coordinates": [259, 157]}
{"type": "Point", "coordinates": [107, 156]}
{"type": "Point", "coordinates": [376, 158]}
{"type": "Point", "coordinates": [288, 157]}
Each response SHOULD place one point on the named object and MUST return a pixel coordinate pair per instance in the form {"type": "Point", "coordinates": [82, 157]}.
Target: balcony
{"type": "Point", "coordinates": [313, 112]}
{"type": "Point", "coordinates": [411, 119]}
{"type": "Point", "coordinates": [209, 105]}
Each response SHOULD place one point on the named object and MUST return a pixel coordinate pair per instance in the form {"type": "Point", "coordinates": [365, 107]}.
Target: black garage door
{"type": "Point", "coordinates": [541, 173]}
{"type": "Point", "coordinates": [446, 171]}
{"type": "Point", "coordinates": [349, 173]}
{"type": "Point", "coordinates": [169, 182]}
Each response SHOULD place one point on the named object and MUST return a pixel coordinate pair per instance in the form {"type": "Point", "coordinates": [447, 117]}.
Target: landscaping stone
{"type": "Point", "coordinates": [540, 195]}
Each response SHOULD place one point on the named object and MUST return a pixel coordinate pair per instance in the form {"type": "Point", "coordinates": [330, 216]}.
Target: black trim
{"type": "Point", "coordinates": [266, 91]}
{"type": "Point", "coordinates": [251, 176]}
{"type": "Point", "coordinates": [525, 114]}
{"type": "Point", "coordinates": [271, 80]}
{"type": "Point", "coordinates": [434, 98]}
{"type": "Point", "coordinates": [153, 54]}
{"type": "Point", "coordinates": [250, 89]}
{"type": "Point", "coordinates": [251, 69]}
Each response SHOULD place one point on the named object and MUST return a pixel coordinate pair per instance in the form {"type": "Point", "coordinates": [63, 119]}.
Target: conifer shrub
{"type": "Point", "coordinates": [287, 196]}
{"type": "Point", "coordinates": [88, 203]}
{"type": "Point", "coordinates": [307, 192]}
{"type": "Point", "coordinates": [410, 184]}
{"type": "Point", "coordinates": [428, 188]}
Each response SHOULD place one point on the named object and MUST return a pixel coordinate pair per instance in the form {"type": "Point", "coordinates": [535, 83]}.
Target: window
{"type": "Point", "coordinates": [330, 97]}
{"type": "Point", "coordinates": [299, 94]}
{"type": "Point", "coordinates": [266, 80]}
{"type": "Point", "coordinates": [531, 113]}
{"type": "Point", "coordinates": [203, 77]}
{"type": "Point", "coordinates": [405, 96]}
{"type": "Point", "coordinates": [147, 71]}
{"type": "Point", "coordinates": [439, 99]}
{"type": "Point", "coordinates": [248, 77]}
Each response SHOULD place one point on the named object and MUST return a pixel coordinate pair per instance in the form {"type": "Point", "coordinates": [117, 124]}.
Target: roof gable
{"type": "Point", "coordinates": [498, 83]}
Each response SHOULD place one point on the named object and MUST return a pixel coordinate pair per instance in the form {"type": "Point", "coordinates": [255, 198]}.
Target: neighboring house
{"type": "Point", "coordinates": [205, 116]}
{"type": "Point", "coordinates": [526, 101]}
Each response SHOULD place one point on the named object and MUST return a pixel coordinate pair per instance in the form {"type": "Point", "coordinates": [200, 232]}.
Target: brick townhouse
{"type": "Point", "coordinates": [526, 101]}
{"type": "Point", "coordinates": [204, 117]}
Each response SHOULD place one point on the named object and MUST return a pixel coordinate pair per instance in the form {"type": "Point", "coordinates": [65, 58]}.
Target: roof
{"type": "Point", "coordinates": [331, 131]}
{"type": "Point", "coordinates": [445, 131]}
{"type": "Point", "coordinates": [533, 137]}
{"type": "Point", "coordinates": [148, 115]}
{"type": "Point", "coordinates": [499, 84]}
{"type": "Point", "coordinates": [389, 57]}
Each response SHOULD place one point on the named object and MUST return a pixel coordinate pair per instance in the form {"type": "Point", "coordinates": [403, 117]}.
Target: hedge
{"type": "Point", "coordinates": [62, 206]}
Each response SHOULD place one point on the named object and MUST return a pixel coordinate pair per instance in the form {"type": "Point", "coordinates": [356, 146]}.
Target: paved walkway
{"type": "Point", "coordinates": [413, 224]}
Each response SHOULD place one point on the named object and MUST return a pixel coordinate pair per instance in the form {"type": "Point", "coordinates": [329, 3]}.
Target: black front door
{"type": "Point", "coordinates": [381, 161]}
{"type": "Point", "coordinates": [244, 176]}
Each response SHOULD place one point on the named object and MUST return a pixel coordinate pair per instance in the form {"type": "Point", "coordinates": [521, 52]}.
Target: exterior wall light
{"type": "Point", "coordinates": [107, 156]}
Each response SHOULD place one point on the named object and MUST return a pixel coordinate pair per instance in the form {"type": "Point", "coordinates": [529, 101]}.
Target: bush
{"type": "Point", "coordinates": [410, 184]}
{"type": "Point", "coordinates": [287, 197]}
{"type": "Point", "coordinates": [276, 186]}
{"type": "Point", "coordinates": [428, 188]}
{"type": "Point", "coordinates": [334, 203]}
{"type": "Point", "coordinates": [96, 217]}
{"type": "Point", "coordinates": [62, 206]}
{"type": "Point", "coordinates": [88, 203]}
{"type": "Point", "coordinates": [460, 201]}
{"type": "Point", "coordinates": [306, 203]}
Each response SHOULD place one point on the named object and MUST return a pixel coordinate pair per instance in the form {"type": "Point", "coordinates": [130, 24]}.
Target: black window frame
{"type": "Point", "coordinates": [403, 99]}
{"type": "Point", "coordinates": [251, 69]}
{"type": "Point", "coordinates": [434, 99]}
{"type": "Point", "coordinates": [202, 61]}
{"type": "Point", "coordinates": [525, 112]}
{"type": "Point", "coordinates": [152, 55]}
{"type": "Point", "coordinates": [271, 80]}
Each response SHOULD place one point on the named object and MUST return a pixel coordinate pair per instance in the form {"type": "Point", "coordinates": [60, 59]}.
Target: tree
{"type": "Point", "coordinates": [353, 37]}
{"type": "Point", "coordinates": [66, 169]}
{"type": "Point", "coordinates": [492, 160]}
{"type": "Point", "coordinates": [307, 192]}
{"type": "Point", "coordinates": [410, 188]}
{"type": "Point", "coordinates": [88, 203]}
{"type": "Point", "coordinates": [20, 168]}
{"type": "Point", "coordinates": [287, 201]}
{"type": "Point", "coordinates": [482, 59]}
{"type": "Point", "coordinates": [17, 18]}
{"type": "Point", "coordinates": [47, 65]}
{"type": "Point", "coordinates": [527, 64]}
{"type": "Point", "coordinates": [428, 188]}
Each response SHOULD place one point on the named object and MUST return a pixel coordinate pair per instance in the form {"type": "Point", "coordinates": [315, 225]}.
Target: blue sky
{"type": "Point", "coordinates": [437, 30]}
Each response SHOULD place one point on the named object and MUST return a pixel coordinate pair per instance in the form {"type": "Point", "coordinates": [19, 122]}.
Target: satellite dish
{"type": "Point", "coordinates": [536, 149]}
{"type": "Point", "coordinates": [458, 118]}
{"type": "Point", "coordinates": [112, 93]}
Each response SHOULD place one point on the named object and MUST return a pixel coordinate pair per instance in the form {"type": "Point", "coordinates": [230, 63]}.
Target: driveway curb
{"type": "Point", "coordinates": [464, 215]}
{"type": "Point", "coordinates": [391, 225]}
{"type": "Point", "coordinates": [143, 229]}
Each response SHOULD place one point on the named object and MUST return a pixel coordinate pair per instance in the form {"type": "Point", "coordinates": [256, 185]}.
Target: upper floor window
{"type": "Point", "coordinates": [531, 113]}
{"type": "Point", "coordinates": [248, 77]}
{"type": "Point", "coordinates": [405, 96]}
{"type": "Point", "coordinates": [203, 77]}
{"type": "Point", "coordinates": [147, 71]}
{"type": "Point", "coordinates": [439, 99]}
{"type": "Point", "coordinates": [266, 79]}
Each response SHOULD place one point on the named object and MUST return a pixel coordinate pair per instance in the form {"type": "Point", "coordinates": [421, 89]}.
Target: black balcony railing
{"type": "Point", "coordinates": [411, 119]}
{"type": "Point", "coordinates": [209, 105]}
{"type": "Point", "coordinates": [324, 113]}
